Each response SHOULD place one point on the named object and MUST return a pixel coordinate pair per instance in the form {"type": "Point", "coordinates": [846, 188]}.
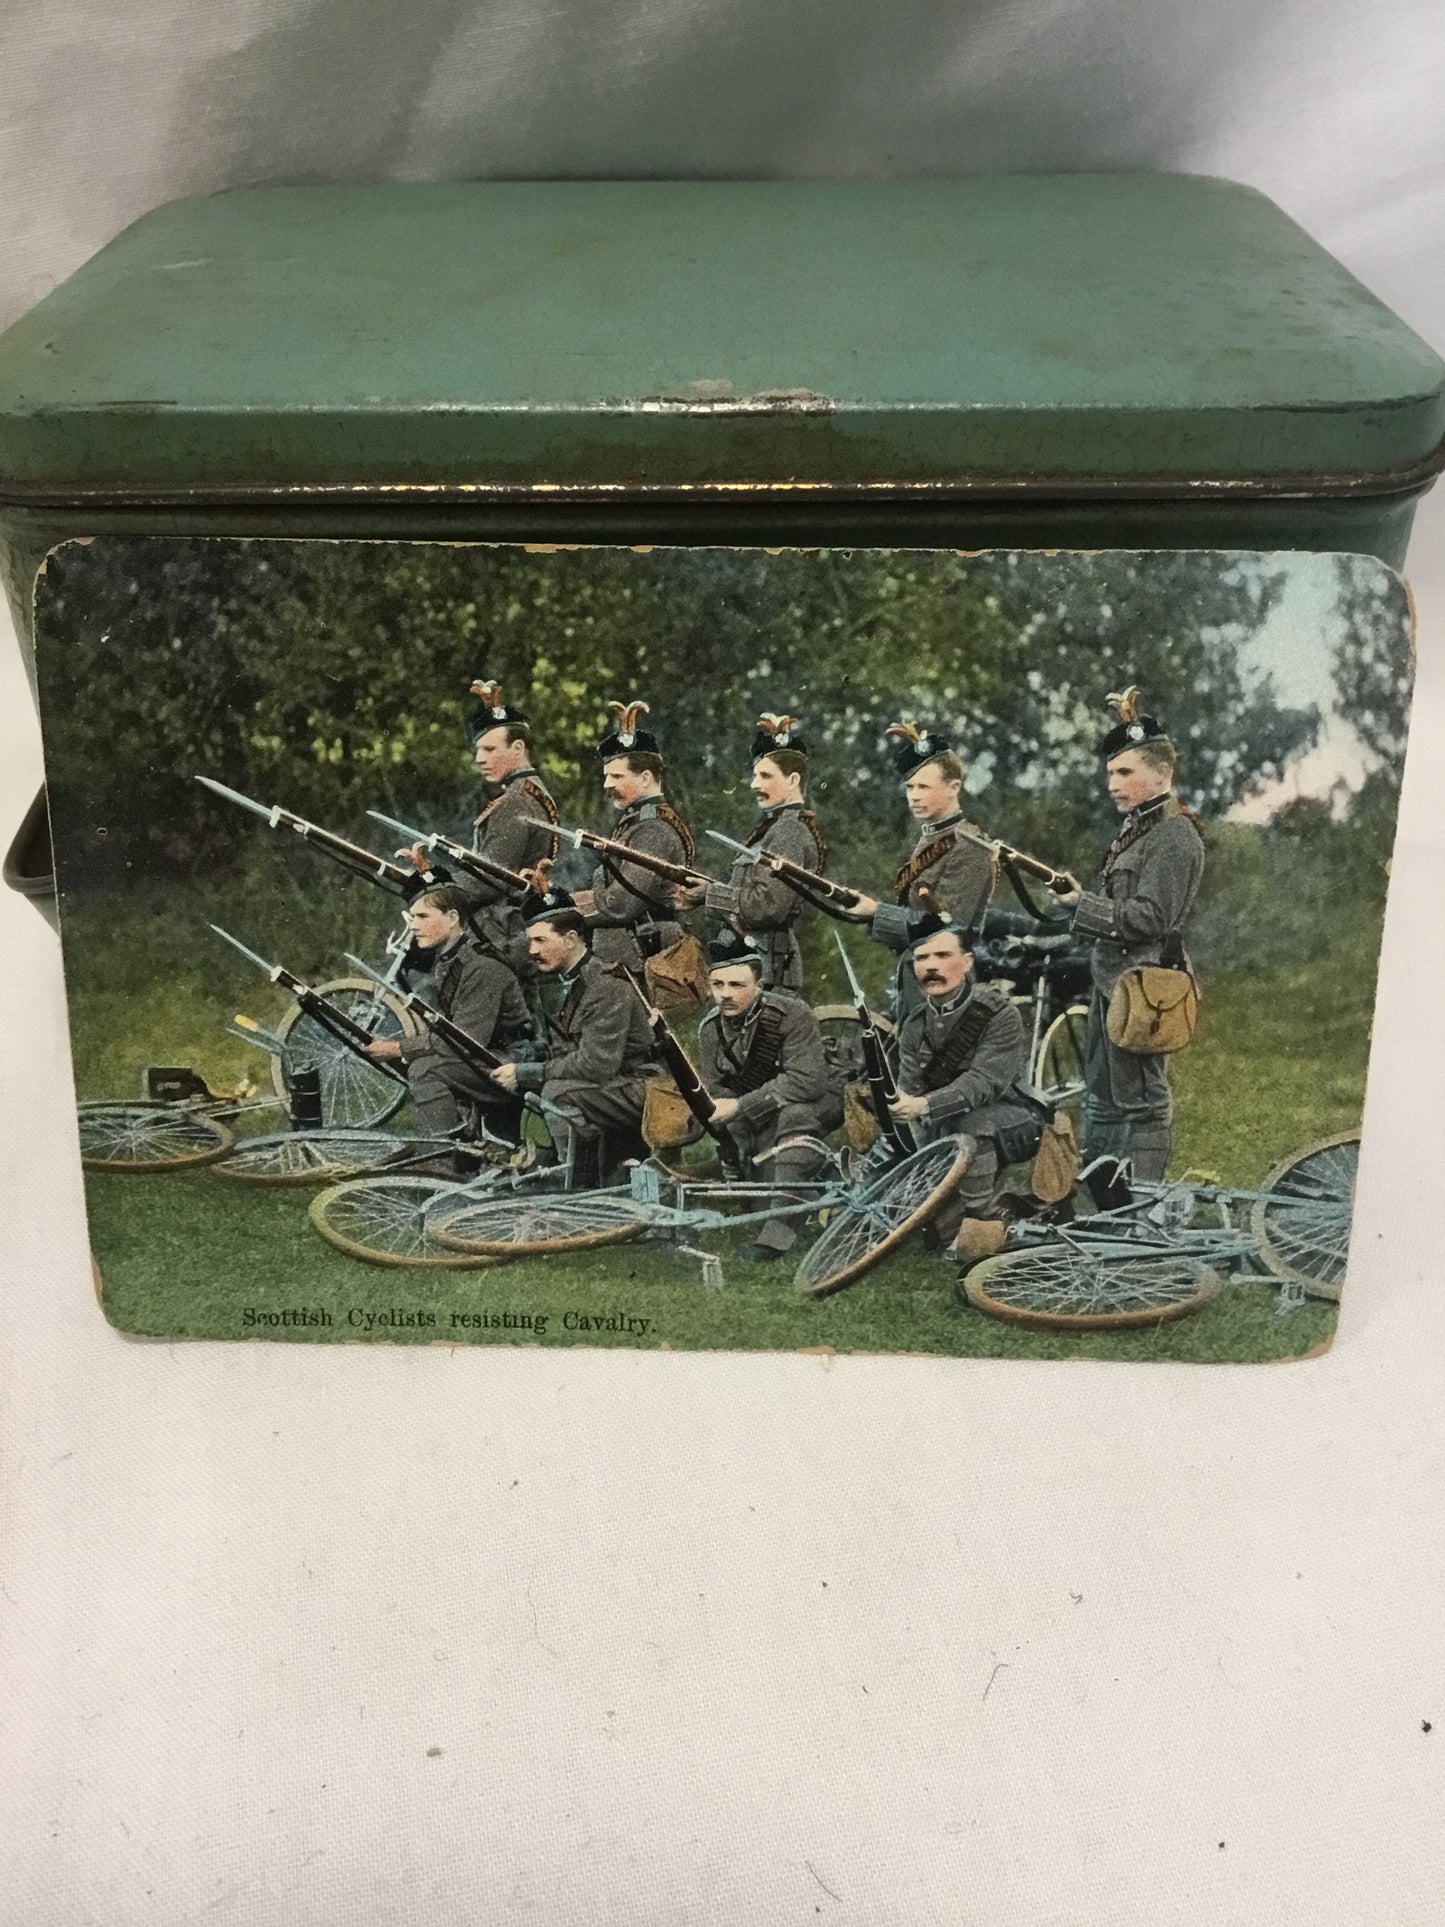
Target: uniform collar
{"type": "Point", "coordinates": [518, 775]}
{"type": "Point", "coordinates": [943, 823]}
{"type": "Point", "coordinates": [956, 1002]}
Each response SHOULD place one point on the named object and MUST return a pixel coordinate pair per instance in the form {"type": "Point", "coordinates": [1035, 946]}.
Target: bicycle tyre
{"type": "Point", "coordinates": [354, 1095]}
{"type": "Point", "coordinates": [1303, 1228]}
{"type": "Point", "coordinates": [1061, 1287]}
{"type": "Point", "coordinates": [149, 1137]}
{"type": "Point", "coordinates": [537, 1226]}
{"type": "Point", "coordinates": [877, 1220]}
{"type": "Point", "coordinates": [383, 1221]}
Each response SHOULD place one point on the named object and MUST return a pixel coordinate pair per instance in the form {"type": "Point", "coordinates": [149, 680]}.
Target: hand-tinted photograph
{"type": "Point", "coordinates": [885, 950]}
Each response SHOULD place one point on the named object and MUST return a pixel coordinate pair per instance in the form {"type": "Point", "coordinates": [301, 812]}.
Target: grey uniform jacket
{"type": "Point", "coordinates": [765, 907]}
{"type": "Point", "coordinates": [630, 901]}
{"type": "Point", "coordinates": [984, 1097]}
{"type": "Point", "coordinates": [599, 1038]}
{"type": "Point", "coordinates": [478, 992]}
{"type": "Point", "coordinates": [958, 881]}
{"type": "Point", "coordinates": [801, 1078]}
{"type": "Point", "coordinates": [503, 833]}
{"type": "Point", "coordinates": [1146, 890]}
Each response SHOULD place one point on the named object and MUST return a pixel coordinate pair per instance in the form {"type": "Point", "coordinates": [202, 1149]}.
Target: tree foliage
{"type": "Point", "coordinates": [331, 677]}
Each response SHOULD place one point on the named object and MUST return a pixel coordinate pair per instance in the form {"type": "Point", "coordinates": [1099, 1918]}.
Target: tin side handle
{"type": "Point", "coordinates": [29, 865]}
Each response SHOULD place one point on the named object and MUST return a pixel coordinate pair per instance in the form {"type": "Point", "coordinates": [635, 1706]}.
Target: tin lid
{"type": "Point", "coordinates": [1075, 334]}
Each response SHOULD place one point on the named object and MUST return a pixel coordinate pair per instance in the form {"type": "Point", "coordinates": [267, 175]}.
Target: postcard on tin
{"type": "Point", "coordinates": [884, 950]}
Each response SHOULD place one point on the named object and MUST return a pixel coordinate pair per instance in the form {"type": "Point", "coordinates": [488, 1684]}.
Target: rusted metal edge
{"type": "Point", "coordinates": [1370, 484]}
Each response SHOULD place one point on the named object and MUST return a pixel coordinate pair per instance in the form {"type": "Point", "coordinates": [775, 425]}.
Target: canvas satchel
{"type": "Point", "coordinates": [677, 978]}
{"type": "Point", "coordinates": [1154, 1007]}
{"type": "Point", "coordinates": [667, 1123]}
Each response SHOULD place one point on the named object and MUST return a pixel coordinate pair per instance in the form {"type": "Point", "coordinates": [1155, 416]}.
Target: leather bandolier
{"type": "Point", "coordinates": [765, 1053]}
{"type": "Point", "coordinates": [958, 1049]}
{"type": "Point", "coordinates": [921, 860]}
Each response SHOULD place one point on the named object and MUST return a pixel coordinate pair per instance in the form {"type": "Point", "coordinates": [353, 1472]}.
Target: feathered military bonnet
{"type": "Point", "coordinates": [776, 732]}
{"type": "Point", "coordinates": [626, 739]}
{"type": "Point", "coordinates": [492, 711]}
{"type": "Point", "coordinates": [730, 946]}
{"type": "Point", "coordinates": [543, 900]}
{"type": "Point", "coordinates": [1133, 727]}
{"type": "Point", "coordinates": [915, 746]}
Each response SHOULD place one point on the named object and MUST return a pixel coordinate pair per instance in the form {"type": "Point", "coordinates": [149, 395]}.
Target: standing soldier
{"type": "Point", "coordinates": [1135, 915]}
{"type": "Point", "coordinates": [962, 1059]}
{"type": "Point", "coordinates": [502, 751]}
{"type": "Point", "coordinates": [600, 1052]}
{"type": "Point", "coordinates": [628, 908]}
{"type": "Point", "coordinates": [754, 899]}
{"type": "Point", "coordinates": [481, 995]}
{"type": "Point", "coordinates": [760, 1054]}
{"type": "Point", "coordinates": [951, 871]}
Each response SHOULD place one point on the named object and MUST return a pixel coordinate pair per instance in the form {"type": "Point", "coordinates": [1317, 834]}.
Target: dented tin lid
{"type": "Point", "coordinates": [1141, 334]}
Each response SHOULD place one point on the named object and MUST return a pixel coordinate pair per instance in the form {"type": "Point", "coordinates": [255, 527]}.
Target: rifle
{"type": "Point", "coordinates": [435, 1020]}
{"type": "Point", "coordinates": [694, 1093]}
{"type": "Point", "coordinates": [344, 1029]}
{"type": "Point", "coordinates": [882, 1085]}
{"type": "Point", "coordinates": [512, 881]}
{"type": "Point", "coordinates": [834, 899]}
{"type": "Point", "coordinates": [607, 846]}
{"type": "Point", "coordinates": [351, 856]}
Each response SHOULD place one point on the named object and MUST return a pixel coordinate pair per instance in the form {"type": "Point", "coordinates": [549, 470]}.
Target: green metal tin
{"type": "Point", "coordinates": [1111, 360]}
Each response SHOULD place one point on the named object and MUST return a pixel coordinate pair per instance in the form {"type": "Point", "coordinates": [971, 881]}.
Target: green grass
{"type": "Point", "coordinates": [1279, 1062]}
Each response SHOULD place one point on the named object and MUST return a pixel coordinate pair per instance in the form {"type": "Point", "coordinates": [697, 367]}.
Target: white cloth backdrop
{"type": "Point", "coordinates": [325, 1637]}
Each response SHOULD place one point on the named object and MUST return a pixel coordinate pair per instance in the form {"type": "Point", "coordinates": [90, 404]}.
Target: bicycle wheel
{"type": "Point", "coordinates": [1303, 1226]}
{"type": "Point", "coordinates": [521, 1226]}
{"type": "Point", "coordinates": [316, 1157]}
{"type": "Point", "coordinates": [384, 1222]}
{"type": "Point", "coordinates": [1060, 1071]}
{"type": "Point", "coordinates": [149, 1137]}
{"type": "Point", "coordinates": [1068, 1287]}
{"type": "Point", "coordinates": [354, 1093]}
{"type": "Point", "coordinates": [877, 1219]}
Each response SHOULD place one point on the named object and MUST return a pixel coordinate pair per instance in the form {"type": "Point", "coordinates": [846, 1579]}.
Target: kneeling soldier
{"type": "Point", "coordinates": [760, 1054]}
{"type": "Point", "coordinates": [962, 1058]}
{"type": "Point", "coordinates": [600, 1054]}
{"type": "Point", "coordinates": [1135, 915]}
{"type": "Point", "coordinates": [481, 995]}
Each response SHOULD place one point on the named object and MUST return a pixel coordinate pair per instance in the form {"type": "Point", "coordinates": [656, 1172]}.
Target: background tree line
{"type": "Point", "coordinates": [333, 677]}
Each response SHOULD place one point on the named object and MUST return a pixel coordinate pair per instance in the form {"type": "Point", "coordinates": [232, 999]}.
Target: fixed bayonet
{"type": "Point", "coordinates": [351, 856]}
{"type": "Point", "coordinates": [482, 866]}
{"type": "Point", "coordinates": [882, 1085]}
{"type": "Point", "coordinates": [435, 1020]}
{"type": "Point", "coordinates": [833, 899]}
{"type": "Point", "coordinates": [345, 1029]}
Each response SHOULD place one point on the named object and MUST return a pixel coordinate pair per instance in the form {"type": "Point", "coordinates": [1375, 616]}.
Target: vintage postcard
{"type": "Point", "coordinates": [886, 950]}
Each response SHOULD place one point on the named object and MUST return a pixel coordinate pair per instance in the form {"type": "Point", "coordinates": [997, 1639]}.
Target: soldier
{"type": "Point", "coordinates": [600, 1055]}
{"type": "Point", "coordinates": [629, 908]}
{"type": "Point", "coordinates": [951, 871]}
{"type": "Point", "coordinates": [760, 1054]}
{"type": "Point", "coordinates": [502, 751]}
{"type": "Point", "coordinates": [753, 899]}
{"type": "Point", "coordinates": [1142, 900]}
{"type": "Point", "coordinates": [472, 986]}
{"type": "Point", "coordinates": [962, 1059]}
